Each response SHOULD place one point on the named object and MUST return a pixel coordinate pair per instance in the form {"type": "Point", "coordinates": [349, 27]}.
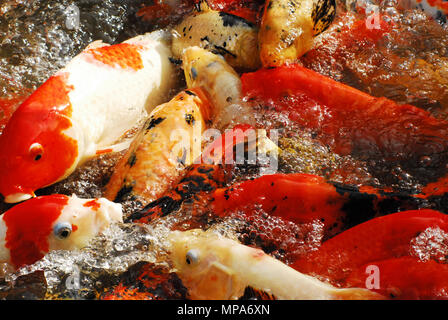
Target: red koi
{"type": "Point", "coordinates": [378, 239]}
{"type": "Point", "coordinates": [352, 122]}
{"type": "Point", "coordinates": [304, 198]}
{"type": "Point", "coordinates": [405, 278]}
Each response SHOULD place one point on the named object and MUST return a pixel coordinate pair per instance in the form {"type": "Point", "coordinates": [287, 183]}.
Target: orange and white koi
{"type": "Point", "coordinates": [81, 111]}
{"type": "Point", "coordinates": [218, 268]}
{"type": "Point", "coordinates": [35, 227]}
{"type": "Point", "coordinates": [169, 142]}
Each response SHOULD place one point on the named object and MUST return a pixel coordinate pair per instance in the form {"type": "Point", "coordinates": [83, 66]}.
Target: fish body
{"type": "Point", "coordinates": [231, 36]}
{"type": "Point", "coordinates": [355, 123]}
{"type": "Point", "coordinates": [304, 198]}
{"type": "Point", "coordinates": [169, 142]}
{"type": "Point", "coordinates": [288, 28]}
{"type": "Point", "coordinates": [35, 227]}
{"type": "Point", "coordinates": [81, 111]}
{"type": "Point", "coordinates": [218, 268]}
{"type": "Point", "coordinates": [378, 239]}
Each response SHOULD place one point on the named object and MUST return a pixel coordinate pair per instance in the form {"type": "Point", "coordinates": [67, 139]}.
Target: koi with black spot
{"type": "Point", "coordinates": [304, 198]}
{"type": "Point", "coordinates": [168, 143]}
{"type": "Point", "coordinates": [231, 36]}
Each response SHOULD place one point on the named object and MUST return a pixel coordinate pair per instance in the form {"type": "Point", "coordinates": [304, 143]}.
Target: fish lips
{"type": "Point", "coordinates": [18, 197]}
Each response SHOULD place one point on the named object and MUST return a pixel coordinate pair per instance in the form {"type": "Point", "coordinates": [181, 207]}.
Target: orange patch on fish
{"type": "Point", "coordinates": [124, 55]}
{"type": "Point", "coordinates": [53, 94]}
{"type": "Point", "coordinates": [94, 204]}
{"type": "Point", "coordinates": [104, 151]}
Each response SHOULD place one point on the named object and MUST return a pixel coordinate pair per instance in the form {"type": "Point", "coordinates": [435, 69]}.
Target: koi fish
{"type": "Point", "coordinates": [199, 180]}
{"type": "Point", "coordinates": [288, 28]}
{"type": "Point", "coordinates": [378, 239]}
{"type": "Point", "coordinates": [217, 268]}
{"type": "Point", "coordinates": [231, 36]}
{"type": "Point", "coordinates": [82, 111]}
{"type": "Point", "coordinates": [406, 278]}
{"type": "Point", "coordinates": [304, 198]}
{"type": "Point", "coordinates": [352, 122]}
{"type": "Point", "coordinates": [168, 143]}
{"type": "Point", "coordinates": [31, 229]}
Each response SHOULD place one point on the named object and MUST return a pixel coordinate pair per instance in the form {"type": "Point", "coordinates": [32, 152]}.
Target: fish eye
{"type": "Point", "coordinates": [192, 257]}
{"type": "Point", "coordinates": [36, 151]}
{"type": "Point", "coordinates": [62, 230]}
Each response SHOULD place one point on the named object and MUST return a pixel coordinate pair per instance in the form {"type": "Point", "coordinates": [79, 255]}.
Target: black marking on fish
{"type": "Point", "coordinates": [124, 193]}
{"type": "Point", "coordinates": [154, 122]}
{"type": "Point", "coordinates": [166, 205]}
{"type": "Point", "coordinates": [132, 159]}
{"type": "Point", "coordinates": [189, 118]}
{"type": "Point", "coordinates": [202, 4]}
{"type": "Point", "coordinates": [222, 51]}
{"type": "Point", "coordinates": [324, 12]}
{"type": "Point", "coordinates": [230, 20]}
{"type": "Point", "coordinates": [441, 17]}
{"type": "Point", "coordinates": [190, 93]}
{"type": "Point", "coordinates": [186, 191]}
{"type": "Point", "coordinates": [255, 294]}
{"type": "Point", "coordinates": [175, 61]}
{"type": "Point", "coordinates": [361, 207]}
{"type": "Point", "coordinates": [205, 170]}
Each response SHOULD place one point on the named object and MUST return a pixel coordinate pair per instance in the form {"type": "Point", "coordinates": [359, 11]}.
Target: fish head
{"type": "Point", "coordinates": [202, 261]}
{"type": "Point", "coordinates": [56, 222]}
{"type": "Point", "coordinates": [195, 60]}
{"type": "Point", "coordinates": [81, 220]}
{"type": "Point", "coordinates": [38, 147]}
